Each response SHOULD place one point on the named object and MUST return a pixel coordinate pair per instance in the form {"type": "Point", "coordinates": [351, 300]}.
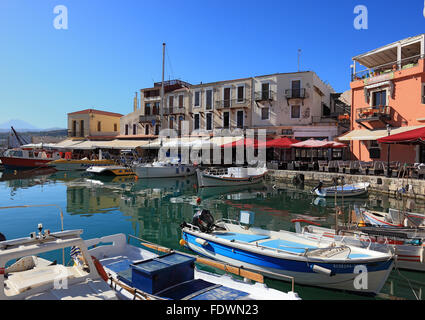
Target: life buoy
{"type": "Point", "coordinates": [100, 269]}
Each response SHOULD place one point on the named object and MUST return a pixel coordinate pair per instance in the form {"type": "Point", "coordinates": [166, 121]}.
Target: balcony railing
{"type": "Point", "coordinates": [233, 103]}
{"type": "Point", "coordinates": [175, 110]}
{"type": "Point", "coordinates": [295, 93]}
{"type": "Point", "coordinates": [265, 95]}
{"type": "Point", "coordinates": [149, 118]}
{"type": "Point", "coordinates": [373, 113]}
{"type": "Point", "coordinates": [387, 68]}
{"type": "Point", "coordinates": [76, 134]}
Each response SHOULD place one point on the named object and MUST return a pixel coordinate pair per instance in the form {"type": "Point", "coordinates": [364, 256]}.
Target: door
{"type": "Point", "coordinates": [239, 119]}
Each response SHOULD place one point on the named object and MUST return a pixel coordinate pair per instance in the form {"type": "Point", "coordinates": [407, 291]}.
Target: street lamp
{"type": "Point", "coordinates": [388, 155]}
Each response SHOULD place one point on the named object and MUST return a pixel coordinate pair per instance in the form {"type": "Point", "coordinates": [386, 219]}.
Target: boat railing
{"type": "Point", "coordinates": [216, 171]}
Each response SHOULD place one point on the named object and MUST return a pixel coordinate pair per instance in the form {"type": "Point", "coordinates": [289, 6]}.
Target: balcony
{"type": "Point", "coordinates": [232, 104]}
{"type": "Point", "coordinates": [295, 93]}
{"type": "Point", "coordinates": [174, 110]}
{"type": "Point", "coordinates": [76, 134]}
{"type": "Point", "coordinates": [265, 95]}
{"type": "Point", "coordinates": [376, 113]}
{"type": "Point", "coordinates": [149, 118]}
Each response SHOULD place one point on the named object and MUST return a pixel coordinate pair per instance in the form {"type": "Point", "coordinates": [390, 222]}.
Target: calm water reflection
{"type": "Point", "coordinates": [154, 209]}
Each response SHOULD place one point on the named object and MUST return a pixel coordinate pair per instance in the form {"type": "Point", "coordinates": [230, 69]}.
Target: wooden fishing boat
{"type": "Point", "coordinates": [392, 218]}
{"type": "Point", "coordinates": [27, 158]}
{"type": "Point", "coordinates": [407, 244]}
{"type": "Point", "coordinates": [34, 278]}
{"type": "Point", "coordinates": [235, 176]}
{"type": "Point", "coordinates": [282, 254]}
{"type": "Point", "coordinates": [348, 190]}
{"type": "Point", "coordinates": [138, 273]}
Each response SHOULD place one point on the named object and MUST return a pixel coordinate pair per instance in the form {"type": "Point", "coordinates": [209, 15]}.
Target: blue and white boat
{"type": "Point", "coordinates": [285, 254]}
{"type": "Point", "coordinates": [139, 273]}
{"type": "Point", "coordinates": [348, 190]}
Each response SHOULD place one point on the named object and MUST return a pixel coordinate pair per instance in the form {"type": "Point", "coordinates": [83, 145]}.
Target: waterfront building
{"type": "Point", "coordinates": [388, 97]}
{"type": "Point", "coordinates": [147, 118]}
{"type": "Point", "coordinates": [91, 124]}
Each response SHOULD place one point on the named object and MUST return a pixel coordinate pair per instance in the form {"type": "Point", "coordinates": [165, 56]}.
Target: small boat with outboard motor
{"type": "Point", "coordinates": [158, 273]}
{"type": "Point", "coordinates": [346, 190]}
{"type": "Point", "coordinates": [279, 254]}
{"type": "Point", "coordinates": [111, 171]}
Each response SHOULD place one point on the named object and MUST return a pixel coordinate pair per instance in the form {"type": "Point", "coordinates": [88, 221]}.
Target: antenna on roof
{"type": "Point", "coordinates": [299, 55]}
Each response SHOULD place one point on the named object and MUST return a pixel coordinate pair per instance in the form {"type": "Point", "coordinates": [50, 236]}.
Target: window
{"type": "Point", "coordinates": [181, 101]}
{"type": "Point", "coordinates": [208, 99]}
{"type": "Point", "coordinates": [171, 102]}
{"type": "Point", "coordinates": [197, 98]}
{"type": "Point", "coordinates": [326, 111]}
{"type": "Point", "coordinates": [226, 97]}
{"type": "Point", "coordinates": [295, 112]}
{"type": "Point", "coordinates": [115, 127]}
{"type": "Point", "coordinates": [265, 91]}
{"type": "Point", "coordinates": [239, 119]}
{"type": "Point", "coordinates": [157, 128]}
{"type": "Point", "coordinates": [265, 113]}
{"type": "Point", "coordinates": [296, 88]}
{"type": "Point", "coordinates": [147, 129]}
{"type": "Point", "coordinates": [226, 120]}
{"type": "Point", "coordinates": [81, 128]}
{"type": "Point", "coordinates": [196, 121]}
{"type": "Point", "coordinates": [126, 129]}
{"type": "Point", "coordinates": [171, 123]}
{"type": "Point", "coordinates": [241, 93]}
{"type": "Point", "coordinates": [379, 98]}
{"type": "Point", "coordinates": [209, 121]}
{"type": "Point", "coordinates": [99, 126]}
{"type": "Point", "coordinates": [147, 109]}
{"type": "Point", "coordinates": [134, 129]}
{"type": "Point", "coordinates": [74, 128]}
{"type": "Point", "coordinates": [156, 108]}
{"type": "Point", "coordinates": [374, 150]}
{"type": "Point", "coordinates": [423, 93]}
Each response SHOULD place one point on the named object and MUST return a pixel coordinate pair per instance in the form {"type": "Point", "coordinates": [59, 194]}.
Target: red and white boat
{"type": "Point", "coordinates": [20, 158]}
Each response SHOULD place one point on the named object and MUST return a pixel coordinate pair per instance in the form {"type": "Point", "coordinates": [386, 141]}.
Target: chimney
{"type": "Point", "coordinates": [135, 103]}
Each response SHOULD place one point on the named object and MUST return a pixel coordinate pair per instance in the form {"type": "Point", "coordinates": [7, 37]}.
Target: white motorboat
{"type": "Point", "coordinates": [281, 254]}
{"type": "Point", "coordinates": [110, 171]}
{"type": "Point", "coordinates": [348, 190]}
{"type": "Point", "coordinates": [164, 169]}
{"type": "Point", "coordinates": [407, 244]}
{"type": "Point", "coordinates": [234, 176]}
{"type": "Point", "coordinates": [139, 273]}
{"type": "Point", "coordinates": [34, 278]}
{"type": "Point", "coordinates": [392, 218]}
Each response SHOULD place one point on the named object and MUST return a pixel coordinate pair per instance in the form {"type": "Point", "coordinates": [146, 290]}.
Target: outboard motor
{"type": "Point", "coordinates": [319, 187]}
{"type": "Point", "coordinates": [204, 220]}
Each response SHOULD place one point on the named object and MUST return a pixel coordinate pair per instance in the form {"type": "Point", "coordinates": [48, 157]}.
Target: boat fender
{"type": "Point", "coordinates": [100, 269]}
{"type": "Point", "coordinates": [202, 242]}
{"type": "Point", "coordinates": [182, 242]}
{"type": "Point", "coordinates": [319, 269]}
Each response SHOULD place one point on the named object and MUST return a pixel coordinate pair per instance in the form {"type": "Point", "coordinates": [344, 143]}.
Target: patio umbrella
{"type": "Point", "coordinates": [247, 142]}
{"type": "Point", "coordinates": [281, 143]}
{"type": "Point", "coordinates": [312, 144]}
{"type": "Point", "coordinates": [415, 136]}
{"type": "Point", "coordinates": [338, 145]}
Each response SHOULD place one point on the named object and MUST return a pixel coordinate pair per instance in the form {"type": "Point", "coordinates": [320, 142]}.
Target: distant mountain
{"type": "Point", "coordinates": [22, 126]}
{"type": "Point", "coordinates": [17, 125]}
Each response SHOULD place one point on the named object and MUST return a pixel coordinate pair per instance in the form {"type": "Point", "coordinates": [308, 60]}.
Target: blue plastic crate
{"type": "Point", "coordinates": [158, 274]}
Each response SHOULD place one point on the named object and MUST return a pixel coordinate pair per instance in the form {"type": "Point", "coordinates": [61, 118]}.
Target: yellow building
{"type": "Point", "coordinates": [93, 124]}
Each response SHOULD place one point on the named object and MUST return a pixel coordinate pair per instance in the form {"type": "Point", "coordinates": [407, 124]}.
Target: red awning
{"type": "Point", "coordinates": [415, 136]}
{"type": "Point", "coordinates": [281, 143]}
{"type": "Point", "coordinates": [313, 144]}
{"type": "Point", "coordinates": [248, 142]}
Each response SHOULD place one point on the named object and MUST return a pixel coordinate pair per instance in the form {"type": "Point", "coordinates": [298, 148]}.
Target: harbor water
{"type": "Point", "coordinates": [154, 209]}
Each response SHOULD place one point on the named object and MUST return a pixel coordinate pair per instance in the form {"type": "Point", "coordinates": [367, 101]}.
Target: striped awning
{"type": "Point", "coordinates": [369, 135]}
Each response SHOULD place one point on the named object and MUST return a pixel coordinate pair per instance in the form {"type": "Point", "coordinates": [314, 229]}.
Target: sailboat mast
{"type": "Point", "coordinates": [162, 84]}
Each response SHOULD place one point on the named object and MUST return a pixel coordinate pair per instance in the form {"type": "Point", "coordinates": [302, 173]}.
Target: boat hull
{"type": "Point", "coordinates": [348, 191]}
{"type": "Point", "coordinates": [22, 163]}
{"type": "Point", "coordinates": [344, 277]}
{"type": "Point", "coordinates": [78, 165]}
{"type": "Point", "coordinates": [164, 172]}
{"type": "Point", "coordinates": [208, 181]}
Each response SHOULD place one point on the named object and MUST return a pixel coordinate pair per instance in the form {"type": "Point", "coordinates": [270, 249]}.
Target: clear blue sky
{"type": "Point", "coordinates": [113, 48]}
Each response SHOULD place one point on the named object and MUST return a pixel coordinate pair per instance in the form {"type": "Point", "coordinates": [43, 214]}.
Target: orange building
{"type": "Point", "coordinates": [388, 97]}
